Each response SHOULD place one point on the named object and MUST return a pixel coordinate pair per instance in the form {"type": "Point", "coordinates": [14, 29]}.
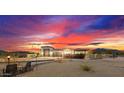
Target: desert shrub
{"type": "Point", "coordinates": [85, 67]}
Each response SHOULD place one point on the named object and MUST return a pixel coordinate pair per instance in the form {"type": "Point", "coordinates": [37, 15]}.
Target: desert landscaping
{"type": "Point", "coordinates": [107, 67]}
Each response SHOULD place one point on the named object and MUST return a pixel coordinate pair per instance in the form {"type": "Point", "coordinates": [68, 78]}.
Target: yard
{"type": "Point", "coordinates": [72, 68]}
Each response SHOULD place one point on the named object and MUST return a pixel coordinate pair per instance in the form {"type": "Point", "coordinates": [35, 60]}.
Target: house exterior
{"type": "Point", "coordinates": [49, 51]}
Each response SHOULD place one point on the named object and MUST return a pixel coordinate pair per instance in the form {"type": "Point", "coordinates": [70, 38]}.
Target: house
{"type": "Point", "coordinates": [49, 51]}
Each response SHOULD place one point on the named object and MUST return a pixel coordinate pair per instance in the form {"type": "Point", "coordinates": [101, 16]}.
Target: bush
{"type": "Point", "coordinates": [86, 68]}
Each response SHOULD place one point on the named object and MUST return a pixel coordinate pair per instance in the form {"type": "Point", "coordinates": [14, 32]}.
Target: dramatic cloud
{"type": "Point", "coordinates": [16, 32]}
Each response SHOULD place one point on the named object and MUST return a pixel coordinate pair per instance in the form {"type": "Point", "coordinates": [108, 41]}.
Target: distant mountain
{"type": "Point", "coordinates": [14, 53]}
{"type": "Point", "coordinates": [3, 53]}
{"type": "Point", "coordinates": [105, 49]}
{"type": "Point", "coordinates": [108, 51]}
{"type": "Point", "coordinates": [20, 53]}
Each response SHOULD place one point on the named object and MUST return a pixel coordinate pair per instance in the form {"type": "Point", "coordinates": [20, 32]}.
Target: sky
{"type": "Point", "coordinates": [29, 32]}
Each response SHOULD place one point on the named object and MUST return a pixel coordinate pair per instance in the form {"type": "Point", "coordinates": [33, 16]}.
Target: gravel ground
{"type": "Point", "coordinates": [108, 67]}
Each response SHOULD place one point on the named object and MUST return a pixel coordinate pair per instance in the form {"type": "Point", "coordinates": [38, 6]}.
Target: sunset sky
{"type": "Point", "coordinates": [19, 33]}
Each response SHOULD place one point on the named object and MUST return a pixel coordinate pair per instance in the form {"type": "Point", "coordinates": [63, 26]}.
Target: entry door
{"type": "Point", "coordinates": [46, 52]}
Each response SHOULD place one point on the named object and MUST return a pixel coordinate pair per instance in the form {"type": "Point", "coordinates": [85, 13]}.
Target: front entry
{"type": "Point", "coordinates": [46, 52]}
